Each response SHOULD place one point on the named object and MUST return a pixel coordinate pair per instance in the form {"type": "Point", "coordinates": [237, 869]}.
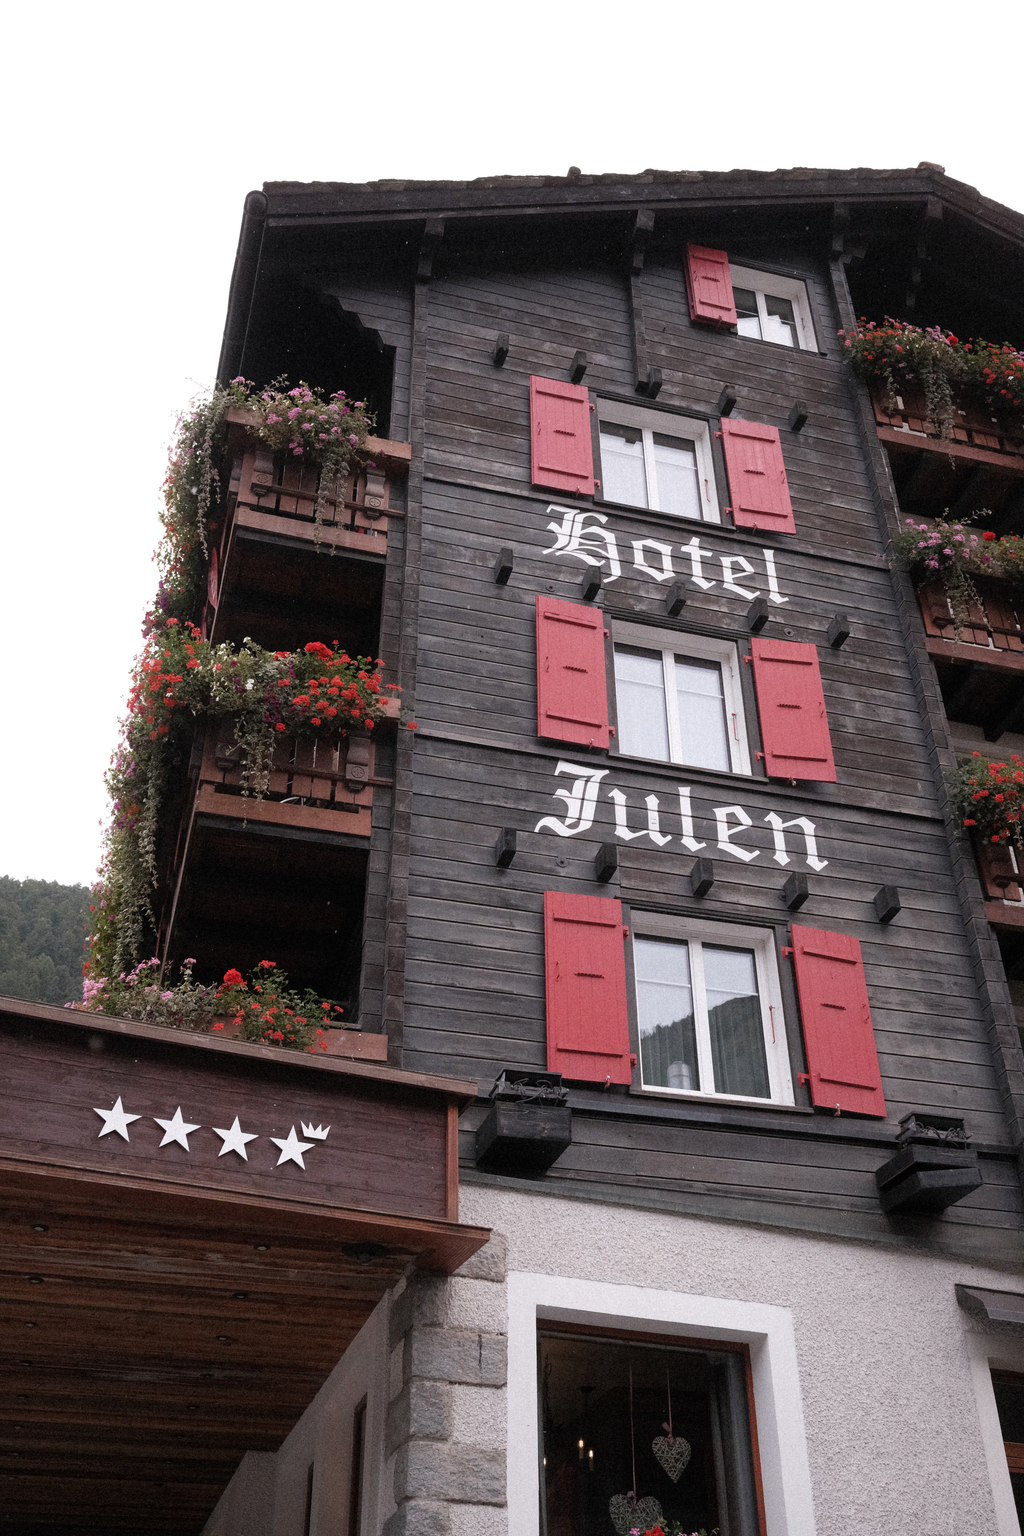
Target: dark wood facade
{"type": "Point", "coordinates": [490, 287]}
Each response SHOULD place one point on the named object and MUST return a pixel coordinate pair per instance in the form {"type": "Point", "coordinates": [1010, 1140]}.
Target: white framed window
{"type": "Point", "coordinates": [658, 460]}
{"type": "Point", "coordinates": [678, 699]}
{"type": "Point", "coordinates": [772, 308]}
{"type": "Point", "coordinates": [709, 1010]}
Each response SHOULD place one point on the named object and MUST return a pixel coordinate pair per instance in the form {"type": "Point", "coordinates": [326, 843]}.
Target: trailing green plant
{"type": "Point", "coordinates": [897, 355]}
{"type": "Point", "coordinates": [319, 691]}
{"type": "Point", "coordinates": [989, 797]}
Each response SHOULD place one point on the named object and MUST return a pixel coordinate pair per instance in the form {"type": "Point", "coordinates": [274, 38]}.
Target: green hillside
{"type": "Point", "coordinates": [42, 934]}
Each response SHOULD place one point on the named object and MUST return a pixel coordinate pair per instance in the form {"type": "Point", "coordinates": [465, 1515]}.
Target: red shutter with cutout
{"type": "Point", "coordinates": [585, 970]}
{"type": "Point", "coordinates": [561, 453]}
{"type": "Point", "coordinates": [572, 688]}
{"type": "Point", "coordinates": [791, 708]}
{"type": "Point", "coordinates": [757, 476]}
{"type": "Point", "coordinates": [709, 286]}
{"type": "Point", "coordinates": [842, 1061]}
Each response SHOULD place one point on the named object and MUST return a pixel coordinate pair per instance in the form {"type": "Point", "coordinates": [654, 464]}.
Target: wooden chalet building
{"type": "Point", "coordinates": [660, 909]}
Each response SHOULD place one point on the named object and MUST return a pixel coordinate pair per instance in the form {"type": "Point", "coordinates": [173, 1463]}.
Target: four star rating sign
{"type": "Point", "coordinates": [177, 1129]}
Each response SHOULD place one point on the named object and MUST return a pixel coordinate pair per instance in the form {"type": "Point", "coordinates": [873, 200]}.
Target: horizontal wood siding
{"type": "Point", "coordinates": [474, 973]}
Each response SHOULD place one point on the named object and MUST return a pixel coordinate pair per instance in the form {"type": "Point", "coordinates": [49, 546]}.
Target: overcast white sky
{"type": "Point", "coordinates": [133, 134]}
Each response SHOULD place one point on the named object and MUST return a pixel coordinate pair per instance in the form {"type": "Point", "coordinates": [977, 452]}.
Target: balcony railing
{"type": "Point", "coordinates": [312, 784]}
{"type": "Point", "coordinates": [993, 623]}
{"type": "Point", "coordinates": [973, 427]}
{"type": "Point", "coordinates": [276, 493]}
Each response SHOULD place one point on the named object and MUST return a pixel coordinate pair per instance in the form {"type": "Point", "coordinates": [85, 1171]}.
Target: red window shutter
{"type": "Point", "coordinates": [791, 708]}
{"type": "Point", "coordinates": [572, 690]}
{"type": "Point", "coordinates": [585, 968]}
{"type": "Point", "coordinates": [842, 1061]}
{"type": "Point", "coordinates": [561, 453]}
{"type": "Point", "coordinates": [757, 476]}
{"type": "Point", "coordinates": [709, 286]}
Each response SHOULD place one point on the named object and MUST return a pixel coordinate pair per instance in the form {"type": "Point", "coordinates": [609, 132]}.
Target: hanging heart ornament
{"type": "Point", "coordinates": [674, 1454]}
{"type": "Point", "coordinates": [629, 1514]}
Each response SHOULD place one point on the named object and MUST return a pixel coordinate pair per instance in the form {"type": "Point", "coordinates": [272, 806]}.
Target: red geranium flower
{"type": "Point", "coordinates": [232, 978]}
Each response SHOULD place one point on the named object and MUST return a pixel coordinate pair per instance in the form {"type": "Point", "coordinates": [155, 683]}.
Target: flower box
{"type": "Point", "coordinates": [312, 783]}
{"type": "Point", "coordinates": [907, 411]}
{"type": "Point", "coordinates": [993, 622]}
{"type": "Point", "coordinates": [997, 869]}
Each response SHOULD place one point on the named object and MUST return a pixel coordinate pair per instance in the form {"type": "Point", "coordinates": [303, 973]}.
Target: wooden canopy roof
{"type": "Point", "coordinates": [169, 1303]}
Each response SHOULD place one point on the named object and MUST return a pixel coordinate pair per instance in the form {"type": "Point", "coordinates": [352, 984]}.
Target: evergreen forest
{"type": "Point", "coordinates": [42, 938]}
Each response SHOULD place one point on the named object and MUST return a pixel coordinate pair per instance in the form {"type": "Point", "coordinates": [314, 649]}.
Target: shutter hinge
{"type": "Point", "coordinates": [632, 1059]}
{"type": "Point", "coordinates": [593, 407]}
{"type": "Point", "coordinates": [747, 660]}
{"type": "Point", "coordinates": [718, 434]}
{"type": "Point", "coordinates": [611, 730]}
{"type": "Point", "coordinates": [803, 1077]}
{"type": "Point", "coordinates": [625, 931]}
{"type": "Point", "coordinates": [605, 632]}
{"type": "Point", "coordinates": [760, 757]}
{"type": "Point", "coordinates": [787, 950]}
{"type": "Point", "coordinates": [597, 485]}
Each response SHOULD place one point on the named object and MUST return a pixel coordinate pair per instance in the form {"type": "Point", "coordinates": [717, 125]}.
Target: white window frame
{"type": "Point", "coordinates": [768, 1330]}
{"type": "Point", "coordinates": [776, 287]}
{"type": "Point", "coordinates": [672, 643]}
{"type": "Point", "coordinates": [655, 925]}
{"type": "Point", "coordinates": [649, 422]}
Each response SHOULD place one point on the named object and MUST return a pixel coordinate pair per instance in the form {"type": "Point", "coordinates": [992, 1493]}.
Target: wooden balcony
{"type": "Point", "coordinates": [323, 787]}
{"type": "Point", "coordinates": [169, 1308]}
{"type": "Point", "coordinates": [980, 466]}
{"type": "Point", "coordinates": [277, 494]}
{"type": "Point", "coordinates": [267, 576]}
{"type": "Point", "coordinates": [1002, 882]}
{"type": "Point", "coordinates": [981, 674]}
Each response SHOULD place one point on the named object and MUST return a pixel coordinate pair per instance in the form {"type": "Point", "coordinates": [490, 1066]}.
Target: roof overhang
{"type": "Point", "coordinates": [169, 1306]}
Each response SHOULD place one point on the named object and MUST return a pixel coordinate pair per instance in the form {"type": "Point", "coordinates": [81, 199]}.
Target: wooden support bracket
{"type": "Point", "coordinates": [500, 349]}
{"type": "Point", "coordinates": [502, 568]}
{"type": "Point", "coordinates": [650, 383]}
{"type": "Point", "coordinates": [795, 892]}
{"type": "Point", "coordinates": [606, 862]}
{"type": "Point", "coordinates": [578, 367]}
{"type": "Point", "coordinates": [592, 584]}
{"type": "Point", "coordinates": [505, 847]}
{"type": "Point", "coordinates": [887, 903]}
{"type": "Point", "coordinates": [797, 418]}
{"type": "Point", "coordinates": [675, 599]}
{"type": "Point", "coordinates": [702, 876]}
{"type": "Point", "coordinates": [726, 402]}
{"type": "Point", "coordinates": [757, 615]}
{"type": "Point", "coordinates": [838, 631]}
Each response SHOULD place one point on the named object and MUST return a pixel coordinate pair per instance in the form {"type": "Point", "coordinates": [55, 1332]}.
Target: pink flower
{"type": "Point", "coordinates": [353, 439]}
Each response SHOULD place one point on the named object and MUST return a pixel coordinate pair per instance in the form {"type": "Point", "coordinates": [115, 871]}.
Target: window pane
{"type": "Point", "coordinates": [734, 1014]}
{"type": "Point", "coordinates": [675, 459]}
{"type": "Point", "coordinates": [781, 326]}
{"type": "Point", "coordinates": [623, 477]}
{"type": "Point", "coordinates": [664, 1003]}
{"type": "Point", "coordinates": [703, 728]}
{"type": "Point", "coordinates": [640, 703]}
{"type": "Point", "coordinates": [747, 322]}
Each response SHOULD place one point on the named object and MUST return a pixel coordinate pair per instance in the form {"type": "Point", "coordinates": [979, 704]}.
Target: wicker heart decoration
{"type": "Point", "coordinates": [630, 1514]}
{"type": "Point", "coordinates": [674, 1455]}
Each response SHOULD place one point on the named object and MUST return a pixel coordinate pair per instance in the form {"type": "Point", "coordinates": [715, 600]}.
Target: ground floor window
{"type": "Point", "coordinates": [637, 1433]}
{"type": "Point", "coordinates": [1008, 1387]}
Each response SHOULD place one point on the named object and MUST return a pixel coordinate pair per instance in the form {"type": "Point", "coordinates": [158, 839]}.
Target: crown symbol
{"type": "Point", "coordinates": [320, 1134]}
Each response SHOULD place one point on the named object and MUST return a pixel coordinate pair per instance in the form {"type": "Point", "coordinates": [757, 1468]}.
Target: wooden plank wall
{"type": "Point", "coordinates": [474, 989]}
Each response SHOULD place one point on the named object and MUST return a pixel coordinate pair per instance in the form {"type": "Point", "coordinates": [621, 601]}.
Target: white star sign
{"type": "Point", "coordinates": [291, 1149]}
{"type": "Point", "coordinates": [235, 1139]}
{"type": "Point", "coordinates": [176, 1129]}
{"type": "Point", "coordinates": [116, 1119]}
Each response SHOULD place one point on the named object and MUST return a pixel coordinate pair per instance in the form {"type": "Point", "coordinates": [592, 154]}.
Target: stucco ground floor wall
{"type": "Point", "coordinates": [872, 1387]}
